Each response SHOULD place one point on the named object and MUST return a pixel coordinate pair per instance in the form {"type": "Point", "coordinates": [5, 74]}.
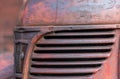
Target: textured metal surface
{"type": "Point", "coordinates": [59, 12]}
{"type": "Point", "coordinates": [72, 50]}
{"type": "Point", "coordinates": [49, 52]}
{"type": "Point", "coordinates": [88, 11]}
{"type": "Point", "coordinates": [22, 40]}
{"type": "Point", "coordinates": [66, 47]}
{"type": "Point", "coordinates": [40, 12]}
{"type": "Point", "coordinates": [62, 49]}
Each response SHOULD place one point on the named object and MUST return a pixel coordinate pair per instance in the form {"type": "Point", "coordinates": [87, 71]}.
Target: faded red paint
{"type": "Point", "coordinates": [59, 12]}
{"type": "Point", "coordinates": [40, 12]}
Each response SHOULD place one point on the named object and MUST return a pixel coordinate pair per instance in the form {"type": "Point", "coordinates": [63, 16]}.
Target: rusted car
{"type": "Point", "coordinates": [68, 39]}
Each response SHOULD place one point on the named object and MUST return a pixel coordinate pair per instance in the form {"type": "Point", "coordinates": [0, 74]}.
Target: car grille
{"type": "Point", "coordinates": [71, 54]}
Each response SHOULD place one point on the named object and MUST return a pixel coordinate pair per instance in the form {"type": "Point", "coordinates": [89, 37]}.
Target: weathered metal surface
{"type": "Point", "coordinates": [59, 12]}
{"type": "Point", "coordinates": [55, 52]}
{"type": "Point", "coordinates": [52, 53]}
{"type": "Point", "coordinates": [88, 11]}
{"type": "Point", "coordinates": [107, 71]}
{"type": "Point", "coordinates": [68, 52]}
{"type": "Point", "coordinates": [40, 12]}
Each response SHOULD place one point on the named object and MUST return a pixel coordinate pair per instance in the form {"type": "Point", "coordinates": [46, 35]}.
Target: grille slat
{"type": "Point", "coordinates": [76, 41]}
{"type": "Point", "coordinates": [58, 77]}
{"type": "Point", "coordinates": [62, 70]}
{"type": "Point", "coordinates": [82, 34]}
{"type": "Point", "coordinates": [67, 63]}
{"type": "Point", "coordinates": [73, 48]}
{"type": "Point", "coordinates": [71, 54]}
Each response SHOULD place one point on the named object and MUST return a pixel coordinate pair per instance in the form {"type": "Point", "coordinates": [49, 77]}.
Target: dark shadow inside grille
{"type": "Point", "coordinates": [73, 45]}
{"type": "Point", "coordinates": [85, 30]}
{"type": "Point", "coordinates": [67, 66]}
{"type": "Point", "coordinates": [78, 36]}
{"type": "Point", "coordinates": [73, 51]}
{"type": "Point", "coordinates": [68, 59]}
{"type": "Point", "coordinates": [73, 74]}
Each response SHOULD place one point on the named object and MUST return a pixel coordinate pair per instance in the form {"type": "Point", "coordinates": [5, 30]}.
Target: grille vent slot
{"type": "Point", "coordinates": [71, 54]}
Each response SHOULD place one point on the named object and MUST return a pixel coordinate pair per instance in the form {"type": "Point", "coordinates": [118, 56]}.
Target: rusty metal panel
{"type": "Point", "coordinates": [110, 67]}
{"type": "Point", "coordinates": [64, 50]}
{"type": "Point", "coordinates": [51, 54]}
{"type": "Point", "coordinates": [40, 12]}
{"type": "Point", "coordinates": [88, 11]}
{"type": "Point", "coordinates": [59, 12]}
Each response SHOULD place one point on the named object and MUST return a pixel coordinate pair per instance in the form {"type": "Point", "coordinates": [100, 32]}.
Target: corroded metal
{"type": "Point", "coordinates": [68, 39]}
{"type": "Point", "coordinates": [40, 12]}
{"type": "Point", "coordinates": [59, 12]}
{"type": "Point", "coordinates": [37, 38]}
